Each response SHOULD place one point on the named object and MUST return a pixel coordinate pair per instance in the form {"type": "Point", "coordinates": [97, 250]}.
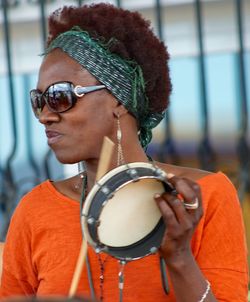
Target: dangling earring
{"type": "Point", "coordinates": [120, 157]}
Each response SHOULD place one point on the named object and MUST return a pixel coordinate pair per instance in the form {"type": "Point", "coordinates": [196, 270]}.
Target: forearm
{"type": "Point", "coordinates": [189, 284]}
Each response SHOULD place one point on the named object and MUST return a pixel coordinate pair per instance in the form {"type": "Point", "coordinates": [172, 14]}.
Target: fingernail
{"type": "Point", "coordinates": [170, 175]}
{"type": "Point", "coordinates": [157, 195]}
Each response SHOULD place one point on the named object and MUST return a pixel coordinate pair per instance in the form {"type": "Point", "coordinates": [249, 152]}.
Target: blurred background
{"type": "Point", "coordinates": [207, 124]}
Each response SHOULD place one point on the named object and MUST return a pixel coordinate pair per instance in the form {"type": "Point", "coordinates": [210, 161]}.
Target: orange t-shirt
{"type": "Point", "coordinates": [44, 238]}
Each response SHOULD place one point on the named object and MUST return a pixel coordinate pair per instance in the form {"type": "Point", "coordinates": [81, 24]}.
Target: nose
{"type": "Point", "coordinates": [47, 116]}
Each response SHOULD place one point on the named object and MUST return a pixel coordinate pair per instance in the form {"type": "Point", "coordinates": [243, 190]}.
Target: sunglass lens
{"type": "Point", "coordinates": [36, 102]}
{"type": "Point", "coordinates": [59, 97]}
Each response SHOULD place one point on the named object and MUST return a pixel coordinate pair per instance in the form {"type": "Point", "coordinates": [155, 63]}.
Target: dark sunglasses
{"type": "Point", "coordinates": [59, 97]}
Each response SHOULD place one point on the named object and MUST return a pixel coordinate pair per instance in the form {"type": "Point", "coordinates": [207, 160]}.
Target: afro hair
{"type": "Point", "coordinates": [136, 41]}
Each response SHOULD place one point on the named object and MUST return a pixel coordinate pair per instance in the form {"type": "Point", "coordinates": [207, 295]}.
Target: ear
{"type": "Point", "coordinates": [119, 110]}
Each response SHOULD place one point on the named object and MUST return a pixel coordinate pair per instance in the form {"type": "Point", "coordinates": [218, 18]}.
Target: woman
{"type": "Point", "coordinates": [112, 55]}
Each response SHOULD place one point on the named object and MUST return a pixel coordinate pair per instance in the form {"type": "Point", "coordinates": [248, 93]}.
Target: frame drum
{"type": "Point", "coordinates": [120, 216]}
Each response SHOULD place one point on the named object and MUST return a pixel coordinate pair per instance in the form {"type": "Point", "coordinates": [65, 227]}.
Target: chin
{"type": "Point", "coordinates": [74, 155]}
{"type": "Point", "coordinates": [67, 159]}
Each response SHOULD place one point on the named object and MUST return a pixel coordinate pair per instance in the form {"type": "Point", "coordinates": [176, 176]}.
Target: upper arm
{"type": "Point", "coordinates": [221, 251]}
{"type": "Point", "coordinates": [18, 274]}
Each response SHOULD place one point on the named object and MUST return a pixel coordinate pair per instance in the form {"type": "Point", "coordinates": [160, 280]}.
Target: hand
{"type": "Point", "coordinates": [180, 222]}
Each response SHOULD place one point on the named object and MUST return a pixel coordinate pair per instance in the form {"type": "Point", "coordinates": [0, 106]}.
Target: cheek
{"type": "Point", "coordinates": [84, 134]}
{"type": "Point", "coordinates": [94, 125]}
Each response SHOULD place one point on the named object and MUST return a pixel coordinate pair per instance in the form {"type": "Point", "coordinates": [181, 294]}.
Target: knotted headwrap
{"type": "Point", "coordinates": [123, 78]}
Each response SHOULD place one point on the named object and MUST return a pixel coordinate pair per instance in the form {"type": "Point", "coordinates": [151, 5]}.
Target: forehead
{"type": "Point", "coordinates": [58, 66]}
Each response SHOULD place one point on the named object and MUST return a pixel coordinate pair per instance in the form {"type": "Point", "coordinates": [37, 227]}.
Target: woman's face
{"type": "Point", "coordinates": [76, 134]}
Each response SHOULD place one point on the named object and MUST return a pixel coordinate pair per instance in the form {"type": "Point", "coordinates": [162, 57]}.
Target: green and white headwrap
{"type": "Point", "coordinates": [123, 78]}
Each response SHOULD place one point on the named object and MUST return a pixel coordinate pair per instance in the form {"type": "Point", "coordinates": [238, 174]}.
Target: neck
{"type": "Point", "coordinates": [132, 152]}
{"type": "Point", "coordinates": [130, 145]}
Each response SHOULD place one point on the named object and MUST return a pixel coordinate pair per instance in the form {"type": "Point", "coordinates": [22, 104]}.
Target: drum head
{"type": "Point", "coordinates": [130, 215]}
{"type": "Point", "coordinates": [120, 215]}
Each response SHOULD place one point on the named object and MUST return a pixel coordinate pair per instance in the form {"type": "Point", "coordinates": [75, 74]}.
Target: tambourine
{"type": "Point", "coordinates": [120, 216]}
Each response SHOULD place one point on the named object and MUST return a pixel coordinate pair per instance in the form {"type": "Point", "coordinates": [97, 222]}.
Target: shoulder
{"type": "Point", "coordinates": [43, 200]}
{"type": "Point", "coordinates": [204, 178]}
{"type": "Point", "coordinates": [186, 172]}
{"type": "Point", "coordinates": [33, 203]}
{"type": "Point", "coordinates": [36, 194]}
{"type": "Point", "coordinates": [26, 213]}
{"type": "Point", "coordinates": [216, 187]}
{"type": "Point", "coordinates": [45, 192]}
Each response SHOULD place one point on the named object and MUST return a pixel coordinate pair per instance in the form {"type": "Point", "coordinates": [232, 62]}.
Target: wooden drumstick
{"type": "Point", "coordinates": [105, 157]}
{"type": "Point", "coordinates": [103, 165]}
{"type": "Point", "coordinates": [78, 269]}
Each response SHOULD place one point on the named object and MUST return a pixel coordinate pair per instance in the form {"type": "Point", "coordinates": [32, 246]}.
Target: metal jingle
{"type": "Point", "coordinates": [133, 174]}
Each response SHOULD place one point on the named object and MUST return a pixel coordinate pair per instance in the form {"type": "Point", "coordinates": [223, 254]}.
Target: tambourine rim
{"type": "Point", "coordinates": [102, 181]}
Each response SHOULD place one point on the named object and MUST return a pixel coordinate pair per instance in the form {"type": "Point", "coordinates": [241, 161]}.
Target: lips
{"type": "Point", "coordinates": [53, 136]}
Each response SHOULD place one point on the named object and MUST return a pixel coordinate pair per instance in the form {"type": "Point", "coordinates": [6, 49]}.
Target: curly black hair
{"type": "Point", "coordinates": [136, 41]}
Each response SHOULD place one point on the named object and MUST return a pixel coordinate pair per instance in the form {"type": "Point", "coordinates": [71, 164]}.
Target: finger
{"type": "Point", "coordinates": [167, 212]}
{"type": "Point", "coordinates": [199, 212]}
{"type": "Point", "coordinates": [177, 207]}
{"type": "Point", "coordinates": [175, 216]}
{"type": "Point", "coordinates": [189, 190]}
{"type": "Point", "coordinates": [191, 195]}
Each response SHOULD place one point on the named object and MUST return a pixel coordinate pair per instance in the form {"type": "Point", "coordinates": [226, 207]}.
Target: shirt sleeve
{"type": "Point", "coordinates": [19, 275]}
{"type": "Point", "coordinates": [222, 252]}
